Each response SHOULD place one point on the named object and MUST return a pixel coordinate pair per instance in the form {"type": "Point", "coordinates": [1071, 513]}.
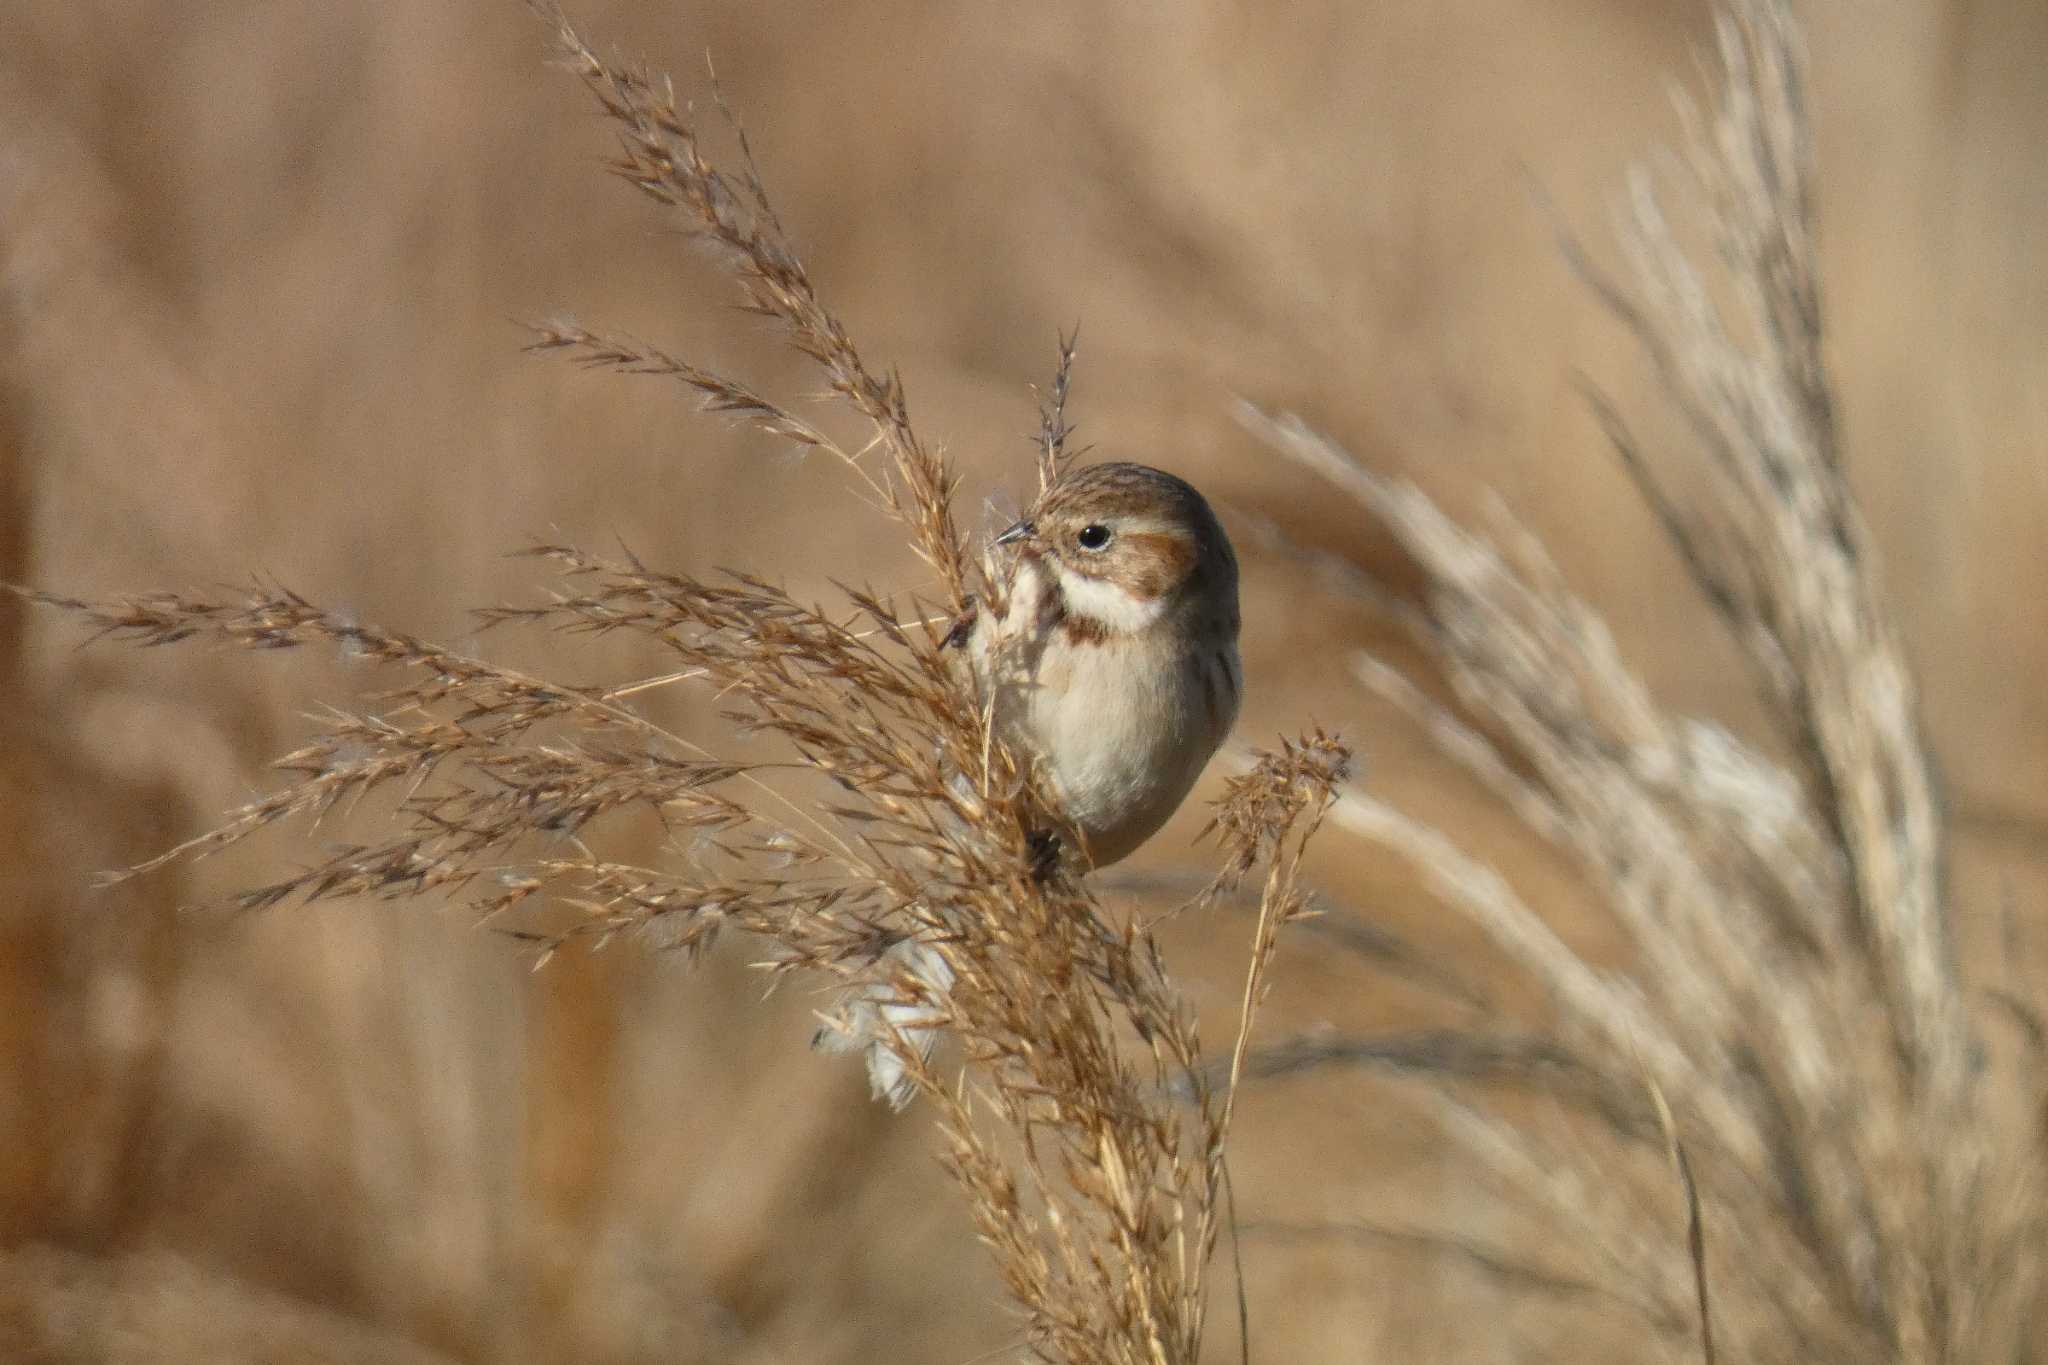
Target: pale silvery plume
{"type": "Point", "coordinates": [1106, 651]}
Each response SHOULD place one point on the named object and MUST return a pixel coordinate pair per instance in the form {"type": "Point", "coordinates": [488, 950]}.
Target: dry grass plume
{"type": "Point", "coordinates": [1866, 1155]}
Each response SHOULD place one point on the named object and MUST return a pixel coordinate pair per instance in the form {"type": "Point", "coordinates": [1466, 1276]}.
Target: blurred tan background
{"type": "Point", "coordinates": [261, 268]}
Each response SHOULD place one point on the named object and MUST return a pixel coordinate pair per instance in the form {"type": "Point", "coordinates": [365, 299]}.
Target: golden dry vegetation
{"type": "Point", "coordinates": [262, 274]}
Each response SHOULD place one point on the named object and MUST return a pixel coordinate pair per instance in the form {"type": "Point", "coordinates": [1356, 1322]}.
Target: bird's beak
{"type": "Point", "coordinates": [1022, 531]}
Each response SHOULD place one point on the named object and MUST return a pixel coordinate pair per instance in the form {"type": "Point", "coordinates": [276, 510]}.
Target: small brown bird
{"type": "Point", "coordinates": [1107, 652]}
{"type": "Point", "coordinates": [1110, 651]}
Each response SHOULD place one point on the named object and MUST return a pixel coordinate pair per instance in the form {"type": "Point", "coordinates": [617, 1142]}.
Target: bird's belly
{"type": "Point", "coordinates": [1122, 740]}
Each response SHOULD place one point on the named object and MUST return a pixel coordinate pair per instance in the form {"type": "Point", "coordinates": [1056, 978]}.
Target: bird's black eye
{"type": "Point", "coordinates": [1093, 536]}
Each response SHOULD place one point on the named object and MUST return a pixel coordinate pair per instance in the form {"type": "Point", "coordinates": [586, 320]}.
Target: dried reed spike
{"type": "Point", "coordinates": [661, 155]}
{"type": "Point", "coordinates": [1053, 431]}
{"type": "Point", "coordinates": [1794, 994]}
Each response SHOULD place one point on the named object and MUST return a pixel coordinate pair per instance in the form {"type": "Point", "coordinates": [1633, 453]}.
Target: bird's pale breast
{"type": "Point", "coordinates": [1121, 725]}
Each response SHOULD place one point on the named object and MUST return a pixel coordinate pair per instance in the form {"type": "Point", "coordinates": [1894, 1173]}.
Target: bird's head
{"type": "Point", "coordinates": [1130, 546]}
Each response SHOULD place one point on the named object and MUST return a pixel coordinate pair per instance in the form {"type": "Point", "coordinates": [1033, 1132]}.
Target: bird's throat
{"type": "Point", "coordinates": [1097, 610]}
